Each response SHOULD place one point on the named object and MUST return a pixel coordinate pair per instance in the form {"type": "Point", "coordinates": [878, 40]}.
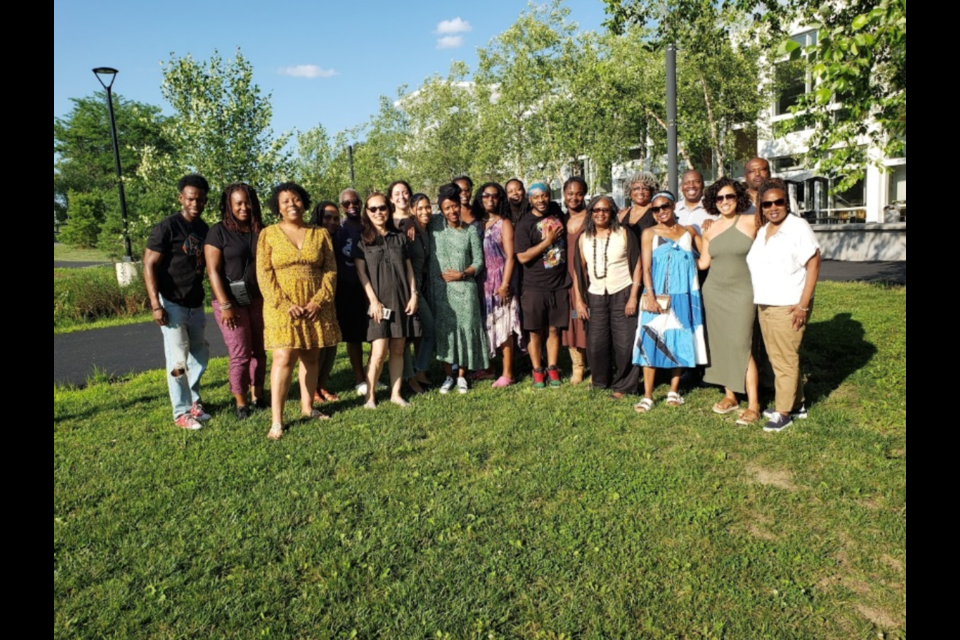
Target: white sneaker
{"type": "Point", "coordinates": [462, 386]}
{"type": "Point", "coordinates": [448, 385]}
{"type": "Point", "coordinates": [362, 389]}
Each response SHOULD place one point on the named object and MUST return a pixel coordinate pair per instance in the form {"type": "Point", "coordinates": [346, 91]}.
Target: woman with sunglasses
{"type": "Point", "coordinates": [456, 257]}
{"type": "Point", "coordinates": [785, 264]}
{"type": "Point", "coordinates": [606, 263]}
{"type": "Point", "coordinates": [386, 275]}
{"type": "Point", "coordinates": [728, 299]}
{"type": "Point", "coordinates": [670, 335]}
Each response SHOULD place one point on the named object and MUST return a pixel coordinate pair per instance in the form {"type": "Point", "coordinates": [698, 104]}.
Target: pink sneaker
{"type": "Point", "coordinates": [501, 382]}
{"type": "Point", "coordinates": [188, 422]}
{"type": "Point", "coordinates": [198, 413]}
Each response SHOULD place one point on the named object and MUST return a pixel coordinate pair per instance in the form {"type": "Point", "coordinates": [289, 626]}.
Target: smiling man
{"type": "Point", "coordinates": [690, 211]}
{"type": "Point", "coordinates": [350, 299]}
{"type": "Point", "coordinates": [173, 268]}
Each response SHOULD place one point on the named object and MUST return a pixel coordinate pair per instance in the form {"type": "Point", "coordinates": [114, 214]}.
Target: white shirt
{"type": "Point", "coordinates": [693, 216]}
{"type": "Point", "coordinates": [778, 266]}
{"type": "Point", "coordinates": [614, 256]}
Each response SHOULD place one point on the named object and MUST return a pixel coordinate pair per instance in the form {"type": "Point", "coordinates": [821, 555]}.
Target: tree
{"type": "Point", "coordinates": [221, 126]}
{"type": "Point", "coordinates": [87, 213]}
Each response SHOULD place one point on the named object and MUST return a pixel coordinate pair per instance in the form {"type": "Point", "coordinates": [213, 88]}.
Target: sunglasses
{"type": "Point", "coordinates": [662, 207]}
{"type": "Point", "coordinates": [490, 196]}
{"type": "Point", "coordinates": [347, 203]}
{"type": "Point", "coordinates": [605, 210]}
{"type": "Point", "coordinates": [769, 204]}
{"type": "Point", "coordinates": [381, 208]}
{"type": "Point", "coordinates": [728, 197]}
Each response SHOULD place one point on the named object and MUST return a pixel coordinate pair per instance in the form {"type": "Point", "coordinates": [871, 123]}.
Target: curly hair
{"type": "Point", "coordinates": [288, 186]}
{"type": "Point", "coordinates": [710, 196]}
{"type": "Point", "coordinates": [370, 235]}
{"type": "Point", "coordinates": [768, 185]}
{"type": "Point", "coordinates": [645, 178]}
{"type": "Point", "coordinates": [477, 207]}
{"type": "Point", "coordinates": [226, 211]}
{"type": "Point", "coordinates": [194, 180]}
{"type": "Point", "coordinates": [590, 228]}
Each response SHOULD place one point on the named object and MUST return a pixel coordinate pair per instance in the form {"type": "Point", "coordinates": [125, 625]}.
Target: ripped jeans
{"type": "Point", "coordinates": [187, 353]}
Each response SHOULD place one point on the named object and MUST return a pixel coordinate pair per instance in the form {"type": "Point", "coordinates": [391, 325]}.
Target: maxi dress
{"type": "Point", "coordinates": [729, 310]}
{"type": "Point", "coordinates": [674, 339]}
{"type": "Point", "coordinates": [500, 319]}
{"type": "Point", "coordinates": [459, 331]}
{"type": "Point", "coordinates": [289, 276]}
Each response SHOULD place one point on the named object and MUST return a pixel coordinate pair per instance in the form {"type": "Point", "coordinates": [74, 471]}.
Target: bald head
{"type": "Point", "coordinates": [755, 172]}
{"type": "Point", "coordinates": [350, 203]}
{"type": "Point", "coordinates": [691, 186]}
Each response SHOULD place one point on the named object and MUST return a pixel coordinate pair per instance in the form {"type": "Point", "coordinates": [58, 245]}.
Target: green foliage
{"type": "Point", "coordinates": [221, 126]}
{"type": "Point", "coordinates": [86, 213]}
{"type": "Point", "coordinates": [82, 295]}
{"type": "Point", "coordinates": [502, 514]}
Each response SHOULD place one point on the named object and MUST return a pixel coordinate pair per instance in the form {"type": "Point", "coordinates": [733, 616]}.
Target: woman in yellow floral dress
{"type": "Point", "coordinates": [297, 271]}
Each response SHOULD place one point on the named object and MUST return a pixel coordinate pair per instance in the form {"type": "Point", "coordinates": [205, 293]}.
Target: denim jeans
{"type": "Point", "coordinates": [187, 354]}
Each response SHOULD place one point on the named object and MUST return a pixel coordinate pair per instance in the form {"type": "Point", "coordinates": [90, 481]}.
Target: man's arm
{"type": "Point", "coordinates": [151, 262]}
{"type": "Point", "coordinates": [549, 237]}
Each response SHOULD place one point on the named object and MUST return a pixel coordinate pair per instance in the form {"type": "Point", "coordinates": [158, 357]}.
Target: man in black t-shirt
{"type": "Point", "coordinates": [173, 268]}
{"type": "Point", "coordinates": [351, 301]}
{"type": "Point", "coordinates": [540, 243]}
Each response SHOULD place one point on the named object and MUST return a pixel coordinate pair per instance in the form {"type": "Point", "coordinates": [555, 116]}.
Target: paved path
{"type": "Point", "coordinates": [139, 347]}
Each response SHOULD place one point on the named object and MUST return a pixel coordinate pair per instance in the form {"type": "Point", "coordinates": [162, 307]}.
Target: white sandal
{"type": "Point", "coordinates": [674, 399]}
{"type": "Point", "coordinates": [276, 431]}
{"type": "Point", "coordinates": [644, 405]}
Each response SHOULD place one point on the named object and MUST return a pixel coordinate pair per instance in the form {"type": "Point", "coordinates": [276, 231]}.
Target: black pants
{"type": "Point", "coordinates": [610, 337]}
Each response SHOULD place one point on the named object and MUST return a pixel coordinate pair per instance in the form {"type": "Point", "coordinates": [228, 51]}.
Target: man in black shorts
{"type": "Point", "coordinates": [540, 240]}
{"type": "Point", "coordinates": [351, 301]}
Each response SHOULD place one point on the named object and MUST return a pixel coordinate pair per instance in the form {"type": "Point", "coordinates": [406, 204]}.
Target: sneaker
{"type": "Point", "coordinates": [243, 413]}
{"type": "Point", "coordinates": [462, 387]}
{"type": "Point", "coordinates": [798, 414]}
{"type": "Point", "coordinates": [198, 413]}
{"type": "Point", "coordinates": [362, 389]}
{"type": "Point", "coordinates": [778, 423]}
{"type": "Point", "coordinates": [188, 422]}
{"type": "Point", "coordinates": [554, 374]}
{"type": "Point", "coordinates": [448, 385]}
{"type": "Point", "coordinates": [539, 379]}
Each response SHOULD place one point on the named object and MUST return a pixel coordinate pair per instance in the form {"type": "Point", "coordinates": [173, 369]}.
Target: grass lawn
{"type": "Point", "coordinates": [502, 514]}
{"type": "Point", "coordinates": [64, 253]}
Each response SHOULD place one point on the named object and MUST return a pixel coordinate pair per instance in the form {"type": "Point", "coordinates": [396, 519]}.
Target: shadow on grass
{"type": "Point", "coordinates": [833, 351]}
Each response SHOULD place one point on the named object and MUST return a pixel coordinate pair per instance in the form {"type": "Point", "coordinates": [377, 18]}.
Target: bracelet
{"type": "Point", "coordinates": [804, 309]}
{"type": "Point", "coordinates": [226, 306]}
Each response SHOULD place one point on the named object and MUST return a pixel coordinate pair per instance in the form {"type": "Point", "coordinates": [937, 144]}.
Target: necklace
{"type": "Point", "coordinates": [596, 269]}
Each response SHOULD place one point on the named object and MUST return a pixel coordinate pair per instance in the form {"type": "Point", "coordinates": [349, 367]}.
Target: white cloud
{"type": "Point", "coordinates": [449, 27]}
{"type": "Point", "coordinates": [307, 71]}
{"type": "Point", "coordinates": [449, 42]}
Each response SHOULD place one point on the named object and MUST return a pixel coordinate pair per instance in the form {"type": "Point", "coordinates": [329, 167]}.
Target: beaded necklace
{"type": "Point", "coordinates": [606, 257]}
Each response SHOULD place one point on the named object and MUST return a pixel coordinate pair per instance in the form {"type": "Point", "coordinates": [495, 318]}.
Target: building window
{"type": "Point", "coordinates": [896, 209]}
{"type": "Point", "coordinates": [794, 77]}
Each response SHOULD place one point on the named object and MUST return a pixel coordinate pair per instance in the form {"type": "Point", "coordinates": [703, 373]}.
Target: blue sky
{"type": "Point", "coordinates": [323, 62]}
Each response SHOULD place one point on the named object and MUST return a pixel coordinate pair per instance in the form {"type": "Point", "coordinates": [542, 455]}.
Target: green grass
{"type": "Point", "coordinates": [64, 253]}
{"type": "Point", "coordinates": [502, 514]}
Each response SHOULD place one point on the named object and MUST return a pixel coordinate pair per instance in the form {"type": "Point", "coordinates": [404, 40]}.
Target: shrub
{"type": "Point", "coordinates": [86, 215]}
{"type": "Point", "coordinates": [84, 295]}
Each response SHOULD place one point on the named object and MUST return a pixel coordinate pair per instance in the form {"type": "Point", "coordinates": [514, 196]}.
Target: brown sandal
{"type": "Point", "coordinates": [748, 417]}
{"type": "Point", "coordinates": [726, 406]}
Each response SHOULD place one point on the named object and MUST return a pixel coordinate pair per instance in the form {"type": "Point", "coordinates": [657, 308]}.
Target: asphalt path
{"type": "Point", "coordinates": [118, 351]}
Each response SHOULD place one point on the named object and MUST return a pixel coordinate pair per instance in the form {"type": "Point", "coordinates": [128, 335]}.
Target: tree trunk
{"type": "Point", "coordinates": [680, 147]}
{"type": "Point", "coordinates": [714, 135]}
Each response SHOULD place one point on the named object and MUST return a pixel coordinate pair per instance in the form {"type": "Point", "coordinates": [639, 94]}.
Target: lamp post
{"type": "Point", "coordinates": [106, 76]}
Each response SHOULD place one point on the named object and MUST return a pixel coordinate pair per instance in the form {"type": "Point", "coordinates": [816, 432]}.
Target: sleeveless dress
{"type": "Point", "coordinates": [730, 312]}
{"type": "Point", "coordinates": [674, 339]}
{"type": "Point", "coordinates": [501, 320]}
{"type": "Point", "coordinates": [575, 335]}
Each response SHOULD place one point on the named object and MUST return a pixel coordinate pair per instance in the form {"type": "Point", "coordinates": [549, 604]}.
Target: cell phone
{"type": "Point", "coordinates": [387, 313]}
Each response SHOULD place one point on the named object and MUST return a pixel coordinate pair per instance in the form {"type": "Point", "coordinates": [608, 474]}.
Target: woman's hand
{"type": "Point", "coordinates": [412, 306]}
{"type": "Point", "coordinates": [630, 309]}
{"type": "Point", "coordinates": [311, 311]}
{"type": "Point", "coordinates": [295, 311]}
{"type": "Point", "coordinates": [504, 293]}
{"type": "Point", "coordinates": [800, 316]}
{"type": "Point", "coordinates": [452, 275]}
{"type": "Point", "coordinates": [652, 304]}
{"type": "Point", "coordinates": [228, 317]}
{"type": "Point", "coordinates": [582, 311]}
{"type": "Point", "coordinates": [376, 311]}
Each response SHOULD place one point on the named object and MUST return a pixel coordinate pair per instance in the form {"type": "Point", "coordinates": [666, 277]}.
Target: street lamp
{"type": "Point", "coordinates": [106, 76]}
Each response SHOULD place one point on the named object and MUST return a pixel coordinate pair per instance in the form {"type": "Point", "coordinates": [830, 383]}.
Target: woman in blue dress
{"type": "Point", "coordinates": [670, 334]}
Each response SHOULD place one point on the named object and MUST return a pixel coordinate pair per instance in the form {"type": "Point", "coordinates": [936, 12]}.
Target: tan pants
{"type": "Point", "coordinates": [783, 348]}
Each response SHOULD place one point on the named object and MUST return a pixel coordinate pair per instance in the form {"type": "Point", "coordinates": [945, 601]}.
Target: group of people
{"type": "Point", "coordinates": [498, 270]}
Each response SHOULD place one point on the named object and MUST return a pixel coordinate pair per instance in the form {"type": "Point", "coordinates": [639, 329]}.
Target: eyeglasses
{"type": "Point", "coordinates": [727, 197]}
{"type": "Point", "coordinates": [662, 207]}
{"type": "Point", "coordinates": [347, 203]}
{"type": "Point", "coordinates": [769, 204]}
{"type": "Point", "coordinates": [605, 210]}
{"type": "Point", "coordinates": [490, 196]}
{"type": "Point", "coordinates": [381, 208]}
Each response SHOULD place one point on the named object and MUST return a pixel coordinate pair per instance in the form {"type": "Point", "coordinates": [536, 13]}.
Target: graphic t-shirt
{"type": "Point", "coordinates": [181, 268]}
{"type": "Point", "coordinates": [547, 272]}
{"type": "Point", "coordinates": [344, 242]}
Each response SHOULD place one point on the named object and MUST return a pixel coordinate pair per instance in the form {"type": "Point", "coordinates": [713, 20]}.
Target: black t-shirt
{"type": "Point", "coordinates": [239, 255]}
{"type": "Point", "coordinates": [547, 272]}
{"type": "Point", "coordinates": [344, 242]}
{"type": "Point", "coordinates": [181, 267]}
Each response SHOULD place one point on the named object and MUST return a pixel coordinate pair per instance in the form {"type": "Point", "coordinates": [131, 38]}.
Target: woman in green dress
{"type": "Point", "coordinates": [456, 256]}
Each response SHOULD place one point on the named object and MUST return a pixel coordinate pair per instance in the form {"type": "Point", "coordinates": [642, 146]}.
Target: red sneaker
{"type": "Point", "coordinates": [554, 375]}
{"type": "Point", "coordinates": [539, 379]}
{"type": "Point", "coordinates": [188, 422]}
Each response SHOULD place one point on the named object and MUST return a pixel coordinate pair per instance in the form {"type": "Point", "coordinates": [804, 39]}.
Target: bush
{"type": "Point", "coordinates": [85, 217]}
{"type": "Point", "coordinates": [84, 295]}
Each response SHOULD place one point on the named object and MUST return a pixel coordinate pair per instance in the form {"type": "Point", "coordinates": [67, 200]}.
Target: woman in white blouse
{"type": "Point", "coordinates": [784, 266]}
{"type": "Point", "coordinates": [608, 269]}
